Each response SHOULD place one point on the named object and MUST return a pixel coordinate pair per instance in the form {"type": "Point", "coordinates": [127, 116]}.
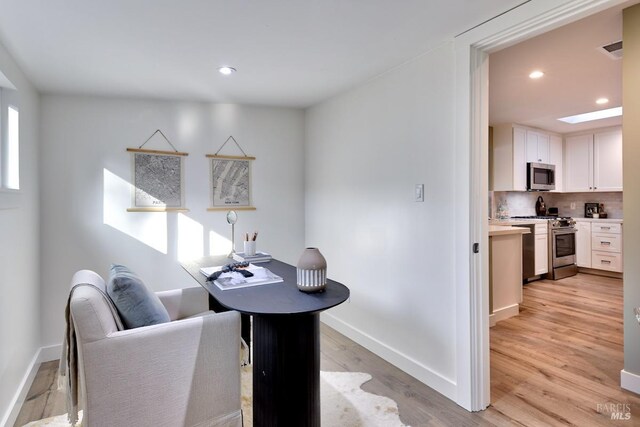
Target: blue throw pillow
{"type": "Point", "coordinates": [137, 305]}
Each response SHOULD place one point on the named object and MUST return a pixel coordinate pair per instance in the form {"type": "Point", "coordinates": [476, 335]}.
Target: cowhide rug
{"type": "Point", "coordinates": [343, 403]}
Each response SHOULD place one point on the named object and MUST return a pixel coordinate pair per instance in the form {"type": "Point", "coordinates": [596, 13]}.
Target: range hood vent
{"type": "Point", "coordinates": [613, 50]}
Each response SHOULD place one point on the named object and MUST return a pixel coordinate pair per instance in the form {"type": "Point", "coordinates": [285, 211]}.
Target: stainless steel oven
{"type": "Point", "coordinates": [562, 248]}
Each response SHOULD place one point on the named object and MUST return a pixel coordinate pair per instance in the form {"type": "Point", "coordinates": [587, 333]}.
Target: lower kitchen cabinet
{"type": "Point", "coordinates": [541, 249]}
{"type": "Point", "coordinates": [606, 246]}
{"type": "Point", "coordinates": [599, 245]}
{"type": "Point", "coordinates": [583, 244]}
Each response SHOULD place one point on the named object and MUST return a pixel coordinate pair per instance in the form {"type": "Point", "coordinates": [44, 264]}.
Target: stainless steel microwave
{"type": "Point", "coordinates": [541, 177]}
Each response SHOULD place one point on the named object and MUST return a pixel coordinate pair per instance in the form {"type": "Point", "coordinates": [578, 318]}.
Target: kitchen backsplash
{"type": "Point", "coordinates": [522, 203]}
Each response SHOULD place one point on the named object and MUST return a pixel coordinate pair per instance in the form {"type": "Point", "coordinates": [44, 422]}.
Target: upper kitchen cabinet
{"type": "Point", "coordinates": [556, 158]}
{"type": "Point", "coordinates": [514, 146]}
{"type": "Point", "coordinates": [593, 162]}
{"type": "Point", "coordinates": [607, 160]}
{"type": "Point", "coordinates": [537, 147]}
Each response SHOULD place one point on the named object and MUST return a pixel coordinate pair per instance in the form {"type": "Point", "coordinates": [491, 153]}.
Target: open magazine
{"type": "Point", "coordinates": [234, 280]}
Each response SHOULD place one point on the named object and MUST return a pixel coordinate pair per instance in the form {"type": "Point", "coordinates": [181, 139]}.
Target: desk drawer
{"type": "Point", "coordinates": [606, 242]}
{"type": "Point", "coordinates": [606, 261]}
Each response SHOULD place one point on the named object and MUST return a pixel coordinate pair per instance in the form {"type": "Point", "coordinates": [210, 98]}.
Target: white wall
{"type": "Point", "coordinates": [365, 151]}
{"type": "Point", "coordinates": [19, 250]}
{"type": "Point", "coordinates": [85, 171]}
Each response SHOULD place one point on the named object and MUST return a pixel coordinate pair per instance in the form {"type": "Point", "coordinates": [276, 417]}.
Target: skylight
{"type": "Point", "coordinates": [594, 115]}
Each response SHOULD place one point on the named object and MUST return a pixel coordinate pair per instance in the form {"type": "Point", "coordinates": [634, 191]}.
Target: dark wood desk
{"type": "Point", "coordinates": [286, 341]}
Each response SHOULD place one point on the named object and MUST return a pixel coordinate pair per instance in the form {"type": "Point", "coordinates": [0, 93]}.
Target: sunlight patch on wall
{"type": "Point", "coordinates": [218, 245]}
{"type": "Point", "coordinates": [190, 238]}
{"type": "Point", "coordinates": [149, 228]}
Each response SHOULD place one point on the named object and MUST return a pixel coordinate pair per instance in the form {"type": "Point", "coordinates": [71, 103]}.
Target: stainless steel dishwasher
{"type": "Point", "coordinates": [528, 252]}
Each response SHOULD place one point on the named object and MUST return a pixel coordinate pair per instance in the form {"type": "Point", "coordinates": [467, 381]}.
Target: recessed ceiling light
{"type": "Point", "coordinates": [594, 115]}
{"type": "Point", "coordinates": [536, 74]}
{"type": "Point", "coordinates": [226, 70]}
{"type": "Point", "coordinates": [601, 101]}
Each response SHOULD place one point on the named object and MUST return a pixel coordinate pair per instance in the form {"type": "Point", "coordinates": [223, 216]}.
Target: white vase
{"type": "Point", "coordinates": [312, 271]}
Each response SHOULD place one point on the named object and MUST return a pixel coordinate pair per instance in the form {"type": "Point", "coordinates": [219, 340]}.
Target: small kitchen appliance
{"type": "Point", "coordinates": [590, 209]}
{"type": "Point", "coordinates": [541, 177]}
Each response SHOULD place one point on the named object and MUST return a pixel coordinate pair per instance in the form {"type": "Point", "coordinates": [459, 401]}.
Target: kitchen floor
{"type": "Point", "coordinates": [558, 362]}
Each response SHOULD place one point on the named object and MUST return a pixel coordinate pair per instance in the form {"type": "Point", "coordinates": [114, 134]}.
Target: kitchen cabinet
{"type": "Point", "coordinates": [537, 147]}
{"type": "Point", "coordinates": [599, 244]}
{"type": "Point", "coordinates": [556, 158]}
{"type": "Point", "coordinates": [583, 244]}
{"type": "Point", "coordinates": [513, 147]}
{"type": "Point", "coordinates": [607, 161]}
{"type": "Point", "coordinates": [505, 271]}
{"type": "Point", "coordinates": [606, 246]}
{"type": "Point", "coordinates": [541, 247]}
{"type": "Point", "coordinates": [593, 162]}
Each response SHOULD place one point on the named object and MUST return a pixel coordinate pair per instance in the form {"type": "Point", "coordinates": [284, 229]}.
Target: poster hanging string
{"type": "Point", "coordinates": [163, 135]}
{"type": "Point", "coordinates": [234, 140]}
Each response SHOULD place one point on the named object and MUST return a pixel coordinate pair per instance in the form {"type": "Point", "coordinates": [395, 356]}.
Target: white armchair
{"type": "Point", "coordinates": [182, 373]}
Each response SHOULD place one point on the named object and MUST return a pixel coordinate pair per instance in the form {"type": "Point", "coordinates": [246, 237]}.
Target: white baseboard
{"type": "Point", "coordinates": [49, 353]}
{"type": "Point", "coordinates": [503, 313]}
{"type": "Point", "coordinates": [43, 354]}
{"type": "Point", "coordinates": [629, 381]}
{"type": "Point", "coordinates": [412, 367]}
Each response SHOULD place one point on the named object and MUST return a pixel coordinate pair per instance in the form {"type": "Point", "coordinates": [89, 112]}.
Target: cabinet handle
{"type": "Point", "coordinates": [604, 261]}
{"type": "Point", "coordinates": [595, 188]}
{"type": "Point", "coordinates": [605, 243]}
{"type": "Point", "coordinates": [590, 188]}
{"type": "Point", "coordinates": [606, 228]}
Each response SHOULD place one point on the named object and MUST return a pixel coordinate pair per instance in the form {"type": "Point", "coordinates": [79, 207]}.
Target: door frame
{"type": "Point", "coordinates": [472, 51]}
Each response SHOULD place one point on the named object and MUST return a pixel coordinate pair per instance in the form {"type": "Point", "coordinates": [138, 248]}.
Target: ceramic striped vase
{"type": "Point", "coordinates": [312, 271]}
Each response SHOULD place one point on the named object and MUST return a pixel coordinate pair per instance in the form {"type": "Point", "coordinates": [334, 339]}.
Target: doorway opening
{"type": "Point", "coordinates": [532, 21]}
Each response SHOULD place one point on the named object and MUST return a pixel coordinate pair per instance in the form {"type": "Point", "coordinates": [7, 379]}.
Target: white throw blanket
{"type": "Point", "coordinates": [68, 370]}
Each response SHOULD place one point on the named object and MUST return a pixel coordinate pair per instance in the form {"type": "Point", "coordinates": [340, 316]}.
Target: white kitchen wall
{"type": "Point", "coordinates": [85, 176]}
{"type": "Point", "coordinates": [365, 151]}
{"type": "Point", "coordinates": [19, 250]}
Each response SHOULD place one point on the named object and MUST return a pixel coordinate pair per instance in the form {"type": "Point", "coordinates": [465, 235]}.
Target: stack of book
{"type": "Point", "coordinates": [258, 257]}
{"type": "Point", "coordinates": [235, 280]}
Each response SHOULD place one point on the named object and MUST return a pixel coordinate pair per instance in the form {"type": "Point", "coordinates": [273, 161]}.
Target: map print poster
{"type": "Point", "coordinates": [230, 183]}
{"type": "Point", "coordinates": [157, 180]}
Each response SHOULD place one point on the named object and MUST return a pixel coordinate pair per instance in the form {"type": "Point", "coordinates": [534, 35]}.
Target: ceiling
{"type": "Point", "coordinates": [576, 74]}
{"type": "Point", "coordinates": [287, 52]}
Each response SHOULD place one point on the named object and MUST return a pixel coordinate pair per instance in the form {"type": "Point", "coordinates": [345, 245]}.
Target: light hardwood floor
{"type": "Point", "coordinates": [557, 363]}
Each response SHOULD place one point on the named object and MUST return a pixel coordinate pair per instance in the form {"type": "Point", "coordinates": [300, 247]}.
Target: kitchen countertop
{"type": "Point", "coordinates": [523, 221]}
{"type": "Point", "coordinates": [502, 230]}
{"type": "Point", "coordinates": [612, 220]}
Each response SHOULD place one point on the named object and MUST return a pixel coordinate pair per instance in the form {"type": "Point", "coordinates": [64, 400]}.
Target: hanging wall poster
{"type": "Point", "coordinates": [158, 180]}
{"type": "Point", "coordinates": [230, 182]}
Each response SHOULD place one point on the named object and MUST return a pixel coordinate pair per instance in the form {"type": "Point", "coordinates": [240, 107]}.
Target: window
{"type": "Point", "coordinates": [9, 139]}
{"type": "Point", "coordinates": [13, 149]}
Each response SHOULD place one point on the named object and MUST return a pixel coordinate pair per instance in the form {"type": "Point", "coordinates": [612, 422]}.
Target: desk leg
{"type": "Point", "coordinates": [286, 370]}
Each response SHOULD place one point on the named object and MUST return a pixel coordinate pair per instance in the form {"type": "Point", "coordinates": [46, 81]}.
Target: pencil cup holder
{"type": "Point", "coordinates": [250, 247]}
{"type": "Point", "coordinates": [312, 271]}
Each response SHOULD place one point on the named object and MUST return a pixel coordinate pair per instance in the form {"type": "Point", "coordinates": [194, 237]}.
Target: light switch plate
{"type": "Point", "coordinates": [419, 193]}
{"type": "Point", "coordinates": [573, 205]}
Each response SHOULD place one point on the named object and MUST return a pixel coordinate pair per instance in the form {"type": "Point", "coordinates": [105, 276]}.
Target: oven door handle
{"type": "Point", "coordinates": [559, 231]}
